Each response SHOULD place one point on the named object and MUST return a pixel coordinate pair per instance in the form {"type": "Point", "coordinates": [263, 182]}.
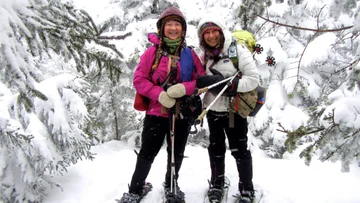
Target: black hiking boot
{"type": "Point", "coordinates": [215, 194]}
{"type": "Point", "coordinates": [135, 198]}
{"type": "Point", "coordinates": [245, 197]}
{"type": "Point", "coordinates": [176, 196]}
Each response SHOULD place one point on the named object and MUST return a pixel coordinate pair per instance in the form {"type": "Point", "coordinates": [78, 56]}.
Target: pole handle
{"type": "Point", "coordinates": [202, 90]}
{"type": "Point", "coordinates": [200, 117]}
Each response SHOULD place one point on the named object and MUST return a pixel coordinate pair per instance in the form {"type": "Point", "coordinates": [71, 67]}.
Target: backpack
{"type": "Point", "coordinates": [245, 103]}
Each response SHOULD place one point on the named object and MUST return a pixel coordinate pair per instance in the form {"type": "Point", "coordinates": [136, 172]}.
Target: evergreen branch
{"type": "Point", "coordinates": [327, 130]}
{"type": "Point", "coordinates": [301, 131]}
{"type": "Point", "coordinates": [296, 76]}
{"type": "Point", "coordinates": [115, 37]}
{"type": "Point", "coordinates": [352, 64]}
{"type": "Point", "coordinates": [105, 43]}
{"type": "Point", "coordinates": [110, 46]}
{"type": "Point", "coordinates": [355, 36]}
{"type": "Point", "coordinates": [294, 136]}
{"type": "Point", "coordinates": [338, 148]}
{"type": "Point", "coordinates": [307, 151]}
{"type": "Point", "coordinates": [356, 132]}
{"type": "Point", "coordinates": [303, 28]}
{"type": "Point", "coordinates": [91, 21]}
{"type": "Point", "coordinates": [16, 137]}
{"type": "Point", "coordinates": [330, 154]}
{"type": "Point", "coordinates": [275, 26]}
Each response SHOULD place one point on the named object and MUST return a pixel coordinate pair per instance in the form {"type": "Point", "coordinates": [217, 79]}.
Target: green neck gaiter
{"type": "Point", "coordinates": [172, 44]}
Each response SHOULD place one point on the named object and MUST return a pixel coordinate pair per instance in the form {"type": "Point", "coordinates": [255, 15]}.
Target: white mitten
{"type": "Point", "coordinates": [176, 91]}
{"type": "Point", "coordinates": [165, 100]}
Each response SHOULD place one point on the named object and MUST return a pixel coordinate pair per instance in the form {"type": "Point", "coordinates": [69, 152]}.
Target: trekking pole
{"type": "Point", "coordinates": [172, 117]}
{"type": "Point", "coordinates": [204, 112]}
{"type": "Point", "coordinates": [205, 89]}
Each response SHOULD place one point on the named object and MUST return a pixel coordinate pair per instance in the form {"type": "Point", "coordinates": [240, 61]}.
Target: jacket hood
{"type": "Point", "coordinates": [171, 11]}
{"type": "Point", "coordinates": [213, 18]}
{"type": "Point", "coordinates": [154, 38]}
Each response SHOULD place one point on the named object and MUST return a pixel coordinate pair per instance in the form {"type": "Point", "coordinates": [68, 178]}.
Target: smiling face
{"type": "Point", "coordinates": [173, 29]}
{"type": "Point", "coordinates": [212, 37]}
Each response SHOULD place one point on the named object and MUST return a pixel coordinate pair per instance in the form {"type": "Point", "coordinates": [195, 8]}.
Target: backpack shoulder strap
{"type": "Point", "coordinates": [187, 64]}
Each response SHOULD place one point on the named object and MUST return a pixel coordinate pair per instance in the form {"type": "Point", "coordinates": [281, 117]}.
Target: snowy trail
{"type": "Point", "coordinates": [282, 181]}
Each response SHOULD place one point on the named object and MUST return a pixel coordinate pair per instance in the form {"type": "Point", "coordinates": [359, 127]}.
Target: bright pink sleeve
{"type": "Point", "coordinates": [141, 80]}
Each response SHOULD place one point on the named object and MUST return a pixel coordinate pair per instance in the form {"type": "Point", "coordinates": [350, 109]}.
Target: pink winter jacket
{"type": "Point", "coordinates": [152, 88]}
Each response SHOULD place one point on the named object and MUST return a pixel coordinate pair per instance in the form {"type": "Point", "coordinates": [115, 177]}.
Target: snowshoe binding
{"type": "Point", "coordinates": [173, 196]}
{"type": "Point", "coordinates": [135, 198]}
{"type": "Point", "coordinates": [217, 194]}
{"type": "Point", "coordinates": [245, 197]}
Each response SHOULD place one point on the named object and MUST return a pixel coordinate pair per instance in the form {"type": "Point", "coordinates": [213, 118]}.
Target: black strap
{"type": "Point", "coordinates": [173, 72]}
{"type": "Point", "coordinates": [212, 65]}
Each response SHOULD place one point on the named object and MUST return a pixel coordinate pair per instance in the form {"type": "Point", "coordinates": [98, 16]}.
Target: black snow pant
{"type": "Point", "coordinates": [219, 128]}
{"type": "Point", "coordinates": [154, 131]}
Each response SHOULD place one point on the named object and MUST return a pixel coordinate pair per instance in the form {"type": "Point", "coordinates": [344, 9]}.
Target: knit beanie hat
{"type": "Point", "coordinates": [208, 26]}
{"type": "Point", "coordinates": [171, 13]}
{"type": "Point", "coordinates": [211, 52]}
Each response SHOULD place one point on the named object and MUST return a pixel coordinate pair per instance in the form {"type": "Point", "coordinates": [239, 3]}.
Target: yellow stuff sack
{"type": "Point", "coordinates": [246, 38]}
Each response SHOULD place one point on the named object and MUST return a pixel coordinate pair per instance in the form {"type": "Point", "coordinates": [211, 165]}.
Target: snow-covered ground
{"type": "Point", "coordinates": [281, 181]}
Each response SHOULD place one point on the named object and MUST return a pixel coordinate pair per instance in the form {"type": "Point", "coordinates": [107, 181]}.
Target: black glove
{"type": "Point", "coordinates": [232, 89]}
{"type": "Point", "coordinates": [207, 80]}
{"type": "Point", "coordinates": [215, 72]}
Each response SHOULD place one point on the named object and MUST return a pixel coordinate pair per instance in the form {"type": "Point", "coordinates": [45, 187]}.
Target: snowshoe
{"type": "Point", "coordinates": [171, 196]}
{"type": "Point", "coordinates": [245, 197]}
{"type": "Point", "coordinates": [135, 198]}
{"type": "Point", "coordinates": [217, 194]}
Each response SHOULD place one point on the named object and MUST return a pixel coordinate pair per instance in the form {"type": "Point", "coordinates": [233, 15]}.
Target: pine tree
{"type": "Point", "coordinates": [249, 10]}
{"type": "Point", "coordinates": [340, 139]}
{"type": "Point", "coordinates": [332, 137]}
{"type": "Point", "coordinates": [46, 49]}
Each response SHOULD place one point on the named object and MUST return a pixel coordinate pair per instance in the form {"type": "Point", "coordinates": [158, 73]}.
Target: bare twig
{"type": "Point", "coordinates": [307, 29]}
{"type": "Point", "coordinates": [301, 56]}
{"type": "Point", "coordinates": [356, 110]}
{"type": "Point", "coordinates": [348, 66]}
{"type": "Point", "coordinates": [267, 13]}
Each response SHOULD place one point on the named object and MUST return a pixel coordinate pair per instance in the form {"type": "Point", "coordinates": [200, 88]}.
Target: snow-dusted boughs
{"type": "Point", "coordinates": [42, 112]}
{"type": "Point", "coordinates": [61, 119]}
{"type": "Point", "coordinates": [318, 68]}
{"type": "Point", "coordinates": [21, 170]}
{"type": "Point", "coordinates": [49, 140]}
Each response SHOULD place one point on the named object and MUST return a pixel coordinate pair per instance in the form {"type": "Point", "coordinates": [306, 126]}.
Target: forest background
{"type": "Point", "coordinates": [66, 80]}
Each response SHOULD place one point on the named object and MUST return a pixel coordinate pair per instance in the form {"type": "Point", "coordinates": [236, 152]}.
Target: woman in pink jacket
{"type": "Point", "coordinates": [166, 74]}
